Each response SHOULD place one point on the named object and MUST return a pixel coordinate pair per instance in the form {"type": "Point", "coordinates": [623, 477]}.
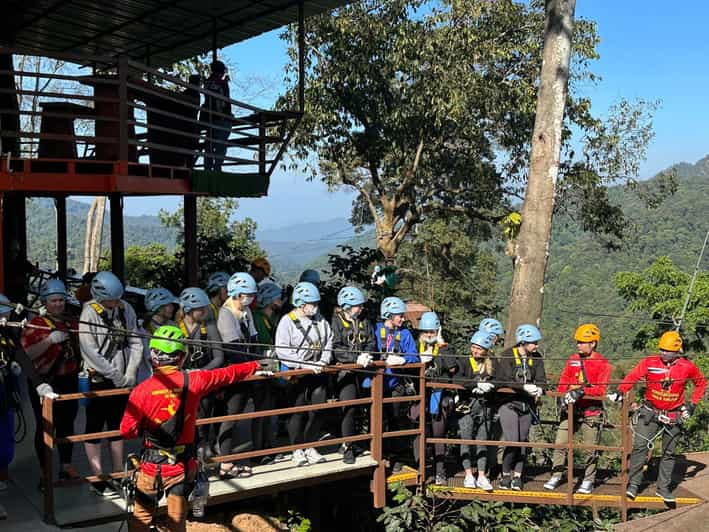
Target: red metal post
{"type": "Point", "coordinates": [2, 242]}
{"type": "Point", "coordinates": [376, 428]}
{"type": "Point", "coordinates": [118, 265]}
{"type": "Point", "coordinates": [123, 114]}
{"type": "Point", "coordinates": [60, 206]}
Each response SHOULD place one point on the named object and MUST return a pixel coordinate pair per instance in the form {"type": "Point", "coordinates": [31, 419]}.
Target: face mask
{"type": "Point", "coordinates": [430, 340]}
{"type": "Point", "coordinates": [247, 300]}
{"type": "Point", "coordinates": [310, 310]}
{"type": "Point", "coordinates": [352, 314]}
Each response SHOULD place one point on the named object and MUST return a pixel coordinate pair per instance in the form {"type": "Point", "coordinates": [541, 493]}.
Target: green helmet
{"type": "Point", "coordinates": [165, 345]}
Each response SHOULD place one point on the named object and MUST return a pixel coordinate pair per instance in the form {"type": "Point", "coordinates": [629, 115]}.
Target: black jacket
{"type": "Point", "coordinates": [351, 338]}
{"type": "Point", "coordinates": [513, 372]}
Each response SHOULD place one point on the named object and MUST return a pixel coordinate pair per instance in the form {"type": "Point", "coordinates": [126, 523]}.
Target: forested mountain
{"type": "Point", "coordinates": [42, 230]}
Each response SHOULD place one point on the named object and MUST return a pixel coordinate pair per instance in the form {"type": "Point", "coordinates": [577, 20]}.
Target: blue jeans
{"type": "Point", "coordinates": [216, 147]}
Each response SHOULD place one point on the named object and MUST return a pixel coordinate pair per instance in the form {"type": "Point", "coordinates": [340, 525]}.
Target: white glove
{"type": "Point", "coordinates": [318, 366]}
{"type": "Point", "coordinates": [364, 360]}
{"type": "Point", "coordinates": [3, 322]}
{"type": "Point", "coordinates": [57, 337]}
{"type": "Point", "coordinates": [477, 391]}
{"type": "Point", "coordinates": [263, 373]}
{"type": "Point", "coordinates": [425, 359]}
{"type": "Point", "coordinates": [616, 397]}
{"type": "Point", "coordinates": [533, 390]}
{"type": "Point", "coordinates": [395, 360]}
{"type": "Point", "coordinates": [485, 387]}
{"type": "Point", "coordinates": [19, 308]}
{"type": "Point", "coordinates": [45, 390]}
{"type": "Point", "coordinates": [569, 399]}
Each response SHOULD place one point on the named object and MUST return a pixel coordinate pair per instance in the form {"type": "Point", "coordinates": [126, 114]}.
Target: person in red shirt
{"type": "Point", "coordinates": [664, 409]}
{"type": "Point", "coordinates": [52, 343]}
{"type": "Point", "coordinates": [586, 373]}
{"type": "Point", "coordinates": [163, 410]}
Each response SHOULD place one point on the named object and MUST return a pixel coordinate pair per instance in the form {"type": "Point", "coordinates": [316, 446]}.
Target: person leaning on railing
{"type": "Point", "coordinates": [520, 368]}
{"type": "Point", "coordinates": [217, 113]}
{"type": "Point", "coordinates": [433, 351]}
{"type": "Point", "coordinates": [586, 372]}
{"type": "Point", "coordinates": [304, 341]}
{"type": "Point", "coordinates": [352, 342]}
{"type": "Point", "coordinates": [397, 344]}
{"type": "Point", "coordinates": [664, 410]}
{"type": "Point", "coordinates": [162, 411]}
{"type": "Point", "coordinates": [112, 352]}
{"type": "Point", "coordinates": [475, 408]}
{"type": "Point", "coordinates": [53, 346]}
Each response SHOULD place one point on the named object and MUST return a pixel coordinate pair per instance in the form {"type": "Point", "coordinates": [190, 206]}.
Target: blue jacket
{"type": "Point", "coordinates": [399, 341]}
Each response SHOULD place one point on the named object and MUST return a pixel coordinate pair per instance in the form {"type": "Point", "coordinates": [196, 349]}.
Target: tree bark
{"type": "Point", "coordinates": [94, 233]}
{"type": "Point", "coordinates": [532, 247]}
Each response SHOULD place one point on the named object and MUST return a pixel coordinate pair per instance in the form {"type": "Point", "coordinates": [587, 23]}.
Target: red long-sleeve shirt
{"type": "Point", "coordinates": [156, 400]}
{"type": "Point", "coordinates": [675, 376]}
{"type": "Point", "coordinates": [598, 373]}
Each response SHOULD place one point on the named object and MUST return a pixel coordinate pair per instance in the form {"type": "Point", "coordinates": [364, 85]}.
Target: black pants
{"type": "Point", "coordinates": [64, 416]}
{"type": "Point", "coordinates": [235, 399]}
{"type": "Point", "coordinates": [308, 390]}
{"type": "Point", "coordinates": [264, 396]}
{"type": "Point", "coordinates": [205, 410]}
{"type": "Point", "coordinates": [439, 424]}
{"type": "Point", "coordinates": [105, 411]}
{"type": "Point", "coordinates": [347, 390]}
{"type": "Point", "coordinates": [515, 428]}
{"type": "Point", "coordinates": [395, 419]}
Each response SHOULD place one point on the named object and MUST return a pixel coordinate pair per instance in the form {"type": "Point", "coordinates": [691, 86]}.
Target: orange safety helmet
{"type": "Point", "coordinates": [262, 264]}
{"type": "Point", "coordinates": [671, 341]}
{"type": "Point", "coordinates": [588, 332]}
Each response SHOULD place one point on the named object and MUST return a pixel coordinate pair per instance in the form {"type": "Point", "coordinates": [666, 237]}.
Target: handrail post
{"type": "Point", "coordinates": [123, 114]}
{"type": "Point", "coordinates": [626, 443]}
{"type": "Point", "coordinates": [570, 455]}
{"type": "Point", "coordinates": [48, 472]}
{"type": "Point", "coordinates": [376, 428]}
{"type": "Point", "coordinates": [262, 145]}
{"type": "Point", "coordinates": [422, 426]}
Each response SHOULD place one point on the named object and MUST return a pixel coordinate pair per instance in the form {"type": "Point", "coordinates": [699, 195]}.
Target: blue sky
{"type": "Point", "coordinates": [649, 49]}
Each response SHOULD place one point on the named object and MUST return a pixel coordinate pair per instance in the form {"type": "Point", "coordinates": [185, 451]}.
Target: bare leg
{"type": "Point", "coordinates": [93, 453]}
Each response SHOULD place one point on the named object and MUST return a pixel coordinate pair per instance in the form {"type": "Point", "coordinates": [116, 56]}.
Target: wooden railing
{"type": "Point", "coordinates": [375, 436]}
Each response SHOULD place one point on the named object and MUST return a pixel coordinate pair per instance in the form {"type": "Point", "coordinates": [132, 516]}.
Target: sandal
{"type": "Point", "coordinates": [235, 471]}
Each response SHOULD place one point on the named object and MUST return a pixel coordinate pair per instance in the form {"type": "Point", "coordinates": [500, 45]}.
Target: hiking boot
{"type": "Point", "coordinates": [552, 483]}
{"type": "Point", "coordinates": [506, 482]}
{"type": "Point", "coordinates": [101, 488]}
{"type": "Point", "coordinates": [314, 457]}
{"type": "Point", "coordinates": [586, 487]}
{"type": "Point", "coordinates": [299, 458]}
{"type": "Point", "coordinates": [632, 491]}
{"type": "Point", "coordinates": [665, 494]}
{"type": "Point", "coordinates": [483, 483]}
{"type": "Point", "coordinates": [348, 457]}
{"type": "Point", "coordinates": [517, 483]}
{"type": "Point", "coordinates": [469, 482]}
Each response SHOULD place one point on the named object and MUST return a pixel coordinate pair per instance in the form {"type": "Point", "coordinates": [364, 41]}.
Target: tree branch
{"type": "Point", "coordinates": [409, 177]}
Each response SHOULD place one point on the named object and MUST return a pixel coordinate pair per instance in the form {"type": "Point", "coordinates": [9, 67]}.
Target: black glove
{"type": "Point", "coordinates": [573, 395]}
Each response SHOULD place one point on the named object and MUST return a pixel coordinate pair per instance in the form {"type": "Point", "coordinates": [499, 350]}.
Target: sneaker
{"type": "Point", "coordinates": [665, 494]}
{"type": "Point", "coordinates": [517, 483]}
{"type": "Point", "coordinates": [114, 486]}
{"type": "Point", "coordinates": [484, 483]}
{"type": "Point", "coordinates": [440, 480]}
{"type": "Point", "coordinates": [314, 457]}
{"type": "Point", "coordinates": [552, 483]}
{"type": "Point", "coordinates": [469, 481]}
{"type": "Point", "coordinates": [342, 448]}
{"type": "Point", "coordinates": [266, 460]}
{"type": "Point", "coordinates": [506, 482]}
{"type": "Point", "coordinates": [299, 458]}
{"type": "Point", "coordinates": [586, 487]}
{"type": "Point", "coordinates": [101, 488]}
{"type": "Point", "coordinates": [348, 457]}
{"type": "Point", "coordinates": [632, 491]}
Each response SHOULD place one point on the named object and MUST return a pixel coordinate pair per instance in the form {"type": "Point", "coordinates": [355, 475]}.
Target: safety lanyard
{"type": "Point", "coordinates": [385, 340]}
{"type": "Point", "coordinates": [306, 332]}
{"type": "Point", "coordinates": [355, 337]}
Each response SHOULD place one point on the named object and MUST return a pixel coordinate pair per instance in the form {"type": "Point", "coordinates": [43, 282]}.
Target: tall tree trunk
{"type": "Point", "coordinates": [94, 233]}
{"type": "Point", "coordinates": [532, 248]}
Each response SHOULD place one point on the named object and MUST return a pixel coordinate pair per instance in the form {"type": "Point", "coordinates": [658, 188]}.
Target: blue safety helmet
{"type": "Point", "coordinates": [192, 298]}
{"type": "Point", "coordinates": [105, 285]}
{"type": "Point", "coordinates": [392, 306]}
{"type": "Point", "coordinates": [51, 288]}
{"type": "Point", "coordinates": [349, 297]}
{"type": "Point", "coordinates": [482, 338]}
{"type": "Point", "coordinates": [5, 306]}
{"type": "Point", "coordinates": [527, 334]}
{"type": "Point", "coordinates": [268, 292]}
{"type": "Point", "coordinates": [305, 293]}
{"type": "Point", "coordinates": [310, 276]}
{"type": "Point", "coordinates": [216, 281]}
{"type": "Point", "coordinates": [158, 297]}
{"type": "Point", "coordinates": [429, 322]}
{"type": "Point", "coordinates": [241, 283]}
{"type": "Point", "coordinates": [491, 325]}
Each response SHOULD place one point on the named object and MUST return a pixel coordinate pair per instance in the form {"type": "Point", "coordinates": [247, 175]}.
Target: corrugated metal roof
{"type": "Point", "coordinates": [166, 30]}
